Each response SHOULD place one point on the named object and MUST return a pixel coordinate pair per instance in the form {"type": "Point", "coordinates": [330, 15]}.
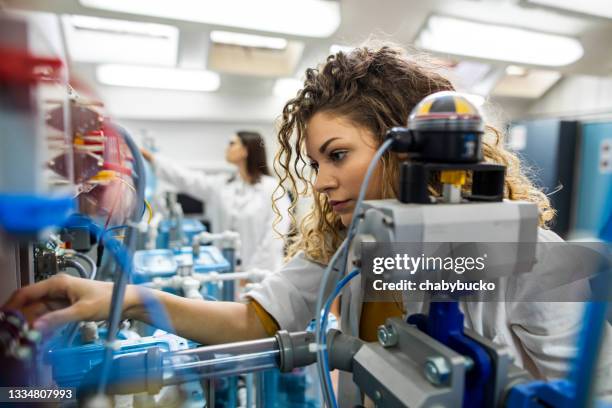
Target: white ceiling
{"type": "Point", "coordinates": [395, 20]}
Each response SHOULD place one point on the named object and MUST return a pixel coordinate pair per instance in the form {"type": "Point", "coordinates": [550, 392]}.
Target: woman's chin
{"type": "Point", "coordinates": [345, 219]}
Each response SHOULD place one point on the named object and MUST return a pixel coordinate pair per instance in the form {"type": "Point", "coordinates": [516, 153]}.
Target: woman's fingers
{"type": "Point", "coordinates": [50, 321]}
{"type": "Point", "coordinates": [55, 286]}
{"type": "Point", "coordinates": [61, 299]}
{"type": "Point", "coordinates": [34, 310]}
{"type": "Point", "coordinates": [146, 154]}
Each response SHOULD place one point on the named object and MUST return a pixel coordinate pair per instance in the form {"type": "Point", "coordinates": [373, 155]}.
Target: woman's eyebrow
{"type": "Point", "coordinates": [324, 145]}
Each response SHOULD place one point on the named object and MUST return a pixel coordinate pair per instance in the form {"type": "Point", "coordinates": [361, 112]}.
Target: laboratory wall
{"type": "Point", "coordinates": [576, 95]}
{"type": "Point", "coordinates": [197, 144]}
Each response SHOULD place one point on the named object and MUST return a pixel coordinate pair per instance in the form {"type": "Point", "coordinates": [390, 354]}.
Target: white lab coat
{"type": "Point", "coordinates": [541, 336]}
{"type": "Point", "coordinates": [237, 206]}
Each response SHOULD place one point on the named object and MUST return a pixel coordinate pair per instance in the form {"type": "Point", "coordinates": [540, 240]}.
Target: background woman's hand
{"type": "Point", "coordinates": [62, 299]}
{"type": "Point", "coordinates": [147, 155]}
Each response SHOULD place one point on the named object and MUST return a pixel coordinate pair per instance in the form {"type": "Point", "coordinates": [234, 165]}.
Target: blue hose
{"type": "Point", "coordinates": [328, 305]}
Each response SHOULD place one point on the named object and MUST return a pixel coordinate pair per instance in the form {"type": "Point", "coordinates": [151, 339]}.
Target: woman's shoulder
{"type": "Point", "coordinates": [301, 261]}
{"type": "Point", "coordinates": [546, 235]}
{"type": "Point", "coordinates": [267, 183]}
{"type": "Point", "coordinates": [268, 180]}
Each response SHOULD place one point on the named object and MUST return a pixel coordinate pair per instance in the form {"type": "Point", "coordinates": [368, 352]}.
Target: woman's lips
{"type": "Point", "coordinates": [338, 206]}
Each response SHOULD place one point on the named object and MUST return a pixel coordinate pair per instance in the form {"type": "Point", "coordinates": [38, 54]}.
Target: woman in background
{"type": "Point", "coordinates": [241, 202]}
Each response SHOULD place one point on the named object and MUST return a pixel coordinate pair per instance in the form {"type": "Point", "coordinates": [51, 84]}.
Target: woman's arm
{"type": "Point", "coordinates": [194, 182]}
{"type": "Point", "coordinates": [206, 322]}
{"type": "Point", "coordinates": [63, 299]}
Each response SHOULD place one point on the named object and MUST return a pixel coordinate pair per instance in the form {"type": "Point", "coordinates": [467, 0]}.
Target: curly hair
{"type": "Point", "coordinates": [376, 89]}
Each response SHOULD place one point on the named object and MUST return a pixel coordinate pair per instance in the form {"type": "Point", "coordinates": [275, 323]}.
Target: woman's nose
{"type": "Point", "coordinates": [325, 182]}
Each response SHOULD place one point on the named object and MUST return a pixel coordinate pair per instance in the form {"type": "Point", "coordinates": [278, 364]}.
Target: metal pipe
{"type": "Point", "coordinates": [123, 277]}
{"type": "Point", "coordinates": [73, 327]}
{"type": "Point", "coordinates": [220, 360]}
{"type": "Point", "coordinates": [70, 263]}
{"type": "Point", "coordinates": [249, 390]}
{"type": "Point", "coordinates": [93, 269]}
{"type": "Point", "coordinates": [177, 282]}
{"type": "Point", "coordinates": [255, 275]}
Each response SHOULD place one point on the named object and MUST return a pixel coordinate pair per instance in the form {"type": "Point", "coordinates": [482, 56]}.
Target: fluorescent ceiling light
{"type": "Point", "coordinates": [309, 18]}
{"type": "Point", "coordinates": [530, 86]}
{"type": "Point", "coordinates": [467, 74]}
{"type": "Point", "coordinates": [335, 48]}
{"type": "Point", "coordinates": [248, 40]}
{"type": "Point", "coordinates": [121, 26]}
{"type": "Point", "coordinates": [599, 8]}
{"type": "Point", "coordinates": [515, 70]}
{"type": "Point", "coordinates": [487, 41]}
{"type": "Point", "coordinates": [94, 39]}
{"type": "Point", "coordinates": [262, 62]}
{"type": "Point", "coordinates": [287, 87]}
{"type": "Point", "coordinates": [157, 77]}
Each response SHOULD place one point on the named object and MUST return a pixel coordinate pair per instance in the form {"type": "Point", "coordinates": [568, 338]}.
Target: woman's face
{"type": "Point", "coordinates": [236, 152]}
{"type": "Point", "coordinates": [340, 153]}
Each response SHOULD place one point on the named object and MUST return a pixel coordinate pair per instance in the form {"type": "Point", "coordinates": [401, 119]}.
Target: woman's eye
{"type": "Point", "coordinates": [337, 155]}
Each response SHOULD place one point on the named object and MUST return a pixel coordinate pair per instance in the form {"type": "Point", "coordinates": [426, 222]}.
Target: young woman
{"type": "Point", "coordinates": [238, 203]}
{"type": "Point", "coordinates": [335, 124]}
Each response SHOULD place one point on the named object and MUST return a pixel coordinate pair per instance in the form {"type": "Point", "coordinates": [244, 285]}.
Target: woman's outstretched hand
{"type": "Point", "coordinates": [147, 155]}
{"type": "Point", "coordinates": [62, 299]}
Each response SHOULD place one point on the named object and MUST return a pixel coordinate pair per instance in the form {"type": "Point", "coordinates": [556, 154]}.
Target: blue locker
{"type": "Point", "coordinates": [594, 200]}
{"type": "Point", "coordinates": [548, 148]}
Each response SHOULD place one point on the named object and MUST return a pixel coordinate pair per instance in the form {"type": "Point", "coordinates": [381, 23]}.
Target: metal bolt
{"type": "Point", "coordinates": [437, 370]}
{"type": "Point", "coordinates": [387, 336]}
{"type": "Point", "coordinates": [388, 221]}
{"type": "Point", "coordinates": [89, 332]}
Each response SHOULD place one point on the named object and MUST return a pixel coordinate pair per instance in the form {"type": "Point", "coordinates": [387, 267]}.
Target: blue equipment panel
{"type": "Point", "coordinates": [70, 364]}
{"type": "Point", "coordinates": [595, 179]}
{"type": "Point", "coordinates": [153, 263]}
{"type": "Point", "coordinates": [190, 226]}
{"type": "Point", "coordinates": [210, 259]}
{"type": "Point", "coordinates": [28, 213]}
{"type": "Point", "coordinates": [163, 263]}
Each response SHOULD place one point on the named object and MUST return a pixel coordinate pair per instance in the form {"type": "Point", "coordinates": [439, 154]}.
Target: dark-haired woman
{"type": "Point", "coordinates": [241, 203]}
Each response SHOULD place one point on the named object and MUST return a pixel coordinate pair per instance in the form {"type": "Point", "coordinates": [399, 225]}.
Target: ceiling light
{"type": "Point", "coordinates": [248, 40]}
{"type": "Point", "coordinates": [532, 85]}
{"type": "Point", "coordinates": [121, 26]}
{"type": "Point", "coordinates": [599, 8]}
{"type": "Point", "coordinates": [515, 70]}
{"type": "Point", "coordinates": [157, 77]}
{"type": "Point", "coordinates": [487, 41]}
{"type": "Point", "coordinates": [467, 74]}
{"type": "Point", "coordinates": [287, 87]}
{"type": "Point", "coordinates": [309, 18]}
{"type": "Point", "coordinates": [94, 39]}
